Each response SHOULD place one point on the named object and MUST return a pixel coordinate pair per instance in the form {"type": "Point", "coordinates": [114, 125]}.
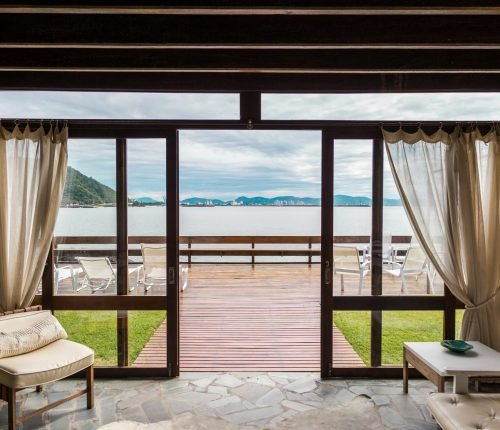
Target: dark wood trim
{"type": "Point", "coordinates": [387, 303]}
{"type": "Point", "coordinates": [48, 279]}
{"type": "Point", "coordinates": [334, 30]}
{"type": "Point", "coordinates": [122, 248]}
{"type": "Point", "coordinates": [172, 298]}
{"type": "Point", "coordinates": [131, 372]}
{"type": "Point", "coordinates": [449, 321]}
{"type": "Point", "coordinates": [327, 154]}
{"type": "Point", "coordinates": [250, 108]}
{"type": "Point", "coordinates": [243, 60]}
{"type": "Point", "coordinates": [340, 129]}
{"type": "Point", "coordinates": [376, 247]}
{"type": "Point", "coordinates": [374, 372]}
{"type": "Point", "coordinates": [230, 82]}
{"type": "Point", "coordinates": [258, 7]}
{"type": "Point", "coordinates": [109, 303]}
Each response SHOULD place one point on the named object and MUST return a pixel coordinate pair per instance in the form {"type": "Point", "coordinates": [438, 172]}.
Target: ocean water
{"type": "Point", "coordinates": [229, 221]}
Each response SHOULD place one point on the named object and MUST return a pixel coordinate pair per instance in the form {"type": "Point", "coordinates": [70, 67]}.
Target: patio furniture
{"type": "Point", "coordinates": [465, 411]}
{"type": "Point", "coordinates": [387, 250]}
{"type": "Point", "coordinates": [415, 263]}
{"type": "Point", "coordinates": [346, 262]}
{"type": "Point", "coordinates": [435, 362]}
{"type": "Point", "coordinates": [154, 259]}
{"type": "Point", "coordinates": [62, 273]}
{"type": "Point", "coordinates": [99, 274]}
{"type": "Point", "coordinates": [48, 363]}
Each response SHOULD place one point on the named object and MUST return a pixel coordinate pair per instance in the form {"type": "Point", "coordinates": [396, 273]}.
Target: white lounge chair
{"type": "Point", "coordinates": [100, 274]}
{"type": "Point", "coordinates": [387, 251]}
{"type": "Point", "coordinates": [154, 260]}
{"type": "Point", "coordinates": [346, 262]}
{"type": "Point", "coordinates": [62, 273]}
{"type": "Point", "coordinates": [415, 263]}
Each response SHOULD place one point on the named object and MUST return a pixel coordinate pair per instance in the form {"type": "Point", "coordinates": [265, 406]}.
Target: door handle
{"type": "Point", "coordinates": [328, 272]}
{"type": "Point", "coordinates": [171, 275]}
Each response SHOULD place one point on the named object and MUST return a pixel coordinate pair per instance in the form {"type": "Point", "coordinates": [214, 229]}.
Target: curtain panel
{"type": "Point", "coordinates": [33, 168]}
{"type": "Point", "coordinates": [449, 184]}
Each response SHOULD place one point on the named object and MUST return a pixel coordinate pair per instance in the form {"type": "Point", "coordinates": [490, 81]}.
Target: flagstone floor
{"type": "Point", "coordinates": [252, 398]}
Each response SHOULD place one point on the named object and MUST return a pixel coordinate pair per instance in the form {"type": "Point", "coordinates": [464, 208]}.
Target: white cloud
{"type": "Point", "coordinates": [227, 164]}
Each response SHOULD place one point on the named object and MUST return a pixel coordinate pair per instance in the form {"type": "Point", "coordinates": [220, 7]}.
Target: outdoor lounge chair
{"type": "Point", "coordinates": [154, 259]}
{"type": "Point", "coordinates": [387, 251]}
{"type": "Point", "coordinates": [415, 263]}
{"type": "Point", "coordinates": [346, 262]}
{"type": "Point", "coordinates": [62, 273]}
{"type": "Point", "coordinates": [99, 274]}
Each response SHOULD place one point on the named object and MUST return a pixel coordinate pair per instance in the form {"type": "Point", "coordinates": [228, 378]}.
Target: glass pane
{"type": "Point", "coordinates": [96, 329]}
{"type": "Point", "coordinates": [115, 105]}
{"type": "Point", "coordinates": [147, 338]}
{"type": "Point", "coordinates": [379, 107]}
{"type": "Point", "coordinates": [408, 326]}
{"type": "Point", "coordinates": [352, 217]}
{"type": "Point", "coordinates": [85, 230]}
{"type": "Point", "coordinates": [351, 338]}
{"type": "Point", "coordinates": [147, 191]}
{"type": "Point", "coordinates": [406, 269]}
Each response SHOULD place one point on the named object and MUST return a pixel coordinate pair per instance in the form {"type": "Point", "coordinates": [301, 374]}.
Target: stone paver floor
{"type": "Point", "coordinates": [243, 398]}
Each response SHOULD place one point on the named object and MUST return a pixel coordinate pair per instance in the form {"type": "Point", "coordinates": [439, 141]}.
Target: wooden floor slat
{"type": "Point", "coordinates": [239, 318]}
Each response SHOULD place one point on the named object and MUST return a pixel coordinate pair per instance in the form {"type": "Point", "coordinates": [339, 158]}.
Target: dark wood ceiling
{"type": "Point", "coordinates": [282, 46]}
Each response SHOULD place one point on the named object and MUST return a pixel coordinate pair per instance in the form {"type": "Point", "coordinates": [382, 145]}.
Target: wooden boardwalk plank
{"type": "Point", "coordinates": [239, 318]}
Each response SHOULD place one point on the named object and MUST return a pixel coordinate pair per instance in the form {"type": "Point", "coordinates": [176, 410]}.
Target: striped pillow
{"type": "Point", "coordinates": [40, 333]}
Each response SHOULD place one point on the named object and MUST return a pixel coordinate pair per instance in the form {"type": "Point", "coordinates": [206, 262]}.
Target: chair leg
{"type": "Point", "coordinates": [404, 288]}
{"type": "Point", "coordinates": [39, 388]}
{"type": "Point", "coordinates": [360, 289]}
{"type": "Point", "coordinates": [342, 283]}
{"type": "Point", "coordinates": [11, 404]}
{"type": "Point", "coordinates": [90, 387]}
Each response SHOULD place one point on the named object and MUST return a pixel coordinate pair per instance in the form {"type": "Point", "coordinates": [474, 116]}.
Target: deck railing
{"type": "Point", "coordinates": [68, 247]}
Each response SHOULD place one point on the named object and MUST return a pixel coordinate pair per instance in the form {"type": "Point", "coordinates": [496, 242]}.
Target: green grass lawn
{"type": "Point", "coordinates": [397, 327]}
{"type": "Point", "coordinates": [98, 331]}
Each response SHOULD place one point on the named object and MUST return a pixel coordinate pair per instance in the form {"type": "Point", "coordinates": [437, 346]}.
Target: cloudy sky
{"type": "Point", "coordinates": [228, 164]}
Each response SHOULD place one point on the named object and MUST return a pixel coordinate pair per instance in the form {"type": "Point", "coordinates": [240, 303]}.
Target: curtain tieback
{"type": "Point", "coordinates": [483, 303]}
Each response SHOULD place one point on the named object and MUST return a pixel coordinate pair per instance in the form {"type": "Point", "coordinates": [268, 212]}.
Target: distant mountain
{"type": "Point", "coordinates": [198, 201]}
{"type": "Point", "coordinates": [344, 200]}
{"type": "Point", "coordinates": [84, 190]}
{"type": "Point", "coordinates": [278, 201]}
{"type": "Point", "coordinates": [339, 200]}
{"type": "Point", "coordinates": [146, 201]}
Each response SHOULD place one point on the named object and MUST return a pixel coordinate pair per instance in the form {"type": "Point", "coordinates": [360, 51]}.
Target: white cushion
{"type": "Point", "coordinates": [465, 411]}
{"type": "Point", "coordinates": [25, 332]}
{"type": "Point", "coordinates": [54, 361]}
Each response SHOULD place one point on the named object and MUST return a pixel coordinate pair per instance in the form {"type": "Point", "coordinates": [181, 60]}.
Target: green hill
{"type": "Point", "coordinates": [83, 190]}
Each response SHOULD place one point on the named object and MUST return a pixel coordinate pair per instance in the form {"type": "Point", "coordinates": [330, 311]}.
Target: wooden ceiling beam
{"type": "Point", "coordinates": [236, 82]}
{"type": "Point", "coordinates": [260, 7]}
{"type": "Point", "coordinates": [244, 60]}
{"type": "Point", "coordinates": [239, 31]}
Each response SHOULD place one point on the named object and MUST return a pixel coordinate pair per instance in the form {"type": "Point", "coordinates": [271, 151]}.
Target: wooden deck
{"type": "Point", "coordinates": [239, 318]}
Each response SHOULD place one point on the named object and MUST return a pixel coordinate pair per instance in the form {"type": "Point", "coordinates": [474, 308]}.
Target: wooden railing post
{"type": "Point", "coordinates": [253, 255]}
{"type": "Point", "coordinates": [310, 253]}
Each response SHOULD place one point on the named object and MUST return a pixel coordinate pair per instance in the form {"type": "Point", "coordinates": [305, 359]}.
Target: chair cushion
{"type": "Point", "coordinates": [25, 332]}
{"type": "Point", "coordinates": [465, 411]}
{"type": "Point", "coordinates": [54, 361]}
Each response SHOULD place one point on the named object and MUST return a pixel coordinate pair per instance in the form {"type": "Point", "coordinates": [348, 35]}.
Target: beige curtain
{"type": "Point", "coordinates": [33, 168]}
{"type": "Point", "coordinates": [450, 188]}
